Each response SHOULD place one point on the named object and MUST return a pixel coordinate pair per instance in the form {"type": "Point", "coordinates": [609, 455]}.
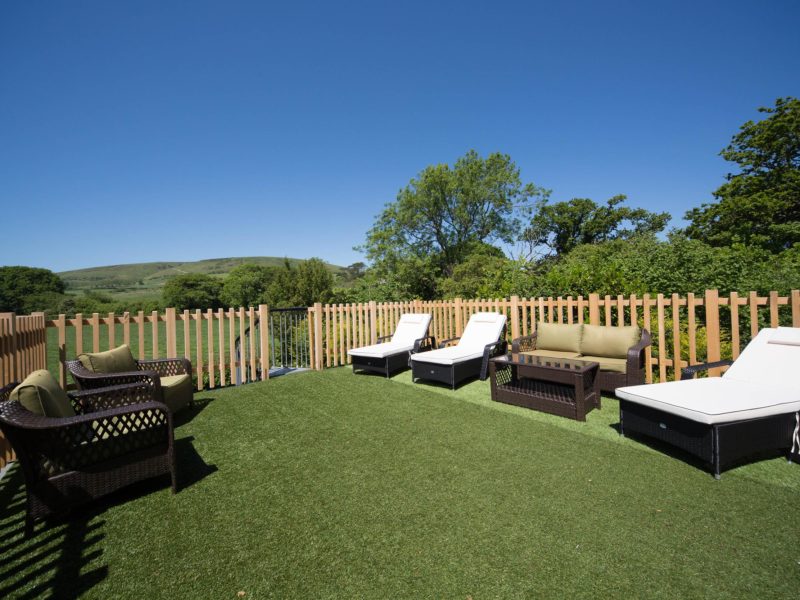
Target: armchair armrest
{"type": "Point", "coordinates": [444, 343]}
{"type": "Point", "coordinates": [6, 390]}
{"type": "Point", "coordinates": [524, 344]}
{"type": "Point", "coordinates": [94, 400]}
{"type": "Point", "coordinates": [494, 349]}
{"type": "Point", "coordinates": [383, 338]}
{"type": "Point", "coordinates": [90, 381]}
{"type": "Point", "coordinates": [164, 367]}
{"type": "Point", "coordinates": [635, 357]}
{"type": "Point", "coordinates": [690, 371]}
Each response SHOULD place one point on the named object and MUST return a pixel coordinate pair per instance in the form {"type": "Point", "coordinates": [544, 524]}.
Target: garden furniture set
{"type": "Point", "coordinates": [117, 428]}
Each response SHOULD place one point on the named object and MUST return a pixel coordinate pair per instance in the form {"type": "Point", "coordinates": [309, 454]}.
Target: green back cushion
{"type": "Point", "coordinates": [557, 336]}
{"type": "Point", "coordinates": [613, 342]}
{"type": "Point", "coordinates": [118, 360]}
{"type": "Point", "coordinates": [41, 394]}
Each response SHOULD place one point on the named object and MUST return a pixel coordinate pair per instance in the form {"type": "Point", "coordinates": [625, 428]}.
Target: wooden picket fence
{"type": "Point", "coordinates": [686, 329]}
{"type": "Point", "coordinates": [23, 349]}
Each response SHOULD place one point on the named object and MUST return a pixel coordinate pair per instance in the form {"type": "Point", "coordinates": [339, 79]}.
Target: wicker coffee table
{"type": "Point", "coordinates": [559, 386]}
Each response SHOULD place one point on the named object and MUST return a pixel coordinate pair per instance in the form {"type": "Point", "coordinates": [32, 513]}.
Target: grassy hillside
{"type": "Point", "coordinates": [139, 280]}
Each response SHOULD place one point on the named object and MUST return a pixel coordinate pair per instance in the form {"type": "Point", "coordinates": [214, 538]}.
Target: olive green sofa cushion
{"type": "Point", "coordinates": [610, 342]}
{"type": "Point", "coordinates": [558, 336]}
{"type": "Point", "coordinates": [118, 360]}
{"type": "Point", "coordinates": [553, 353]}
{"type": "Point", "coordinates": [618, 365]}
{"type": "Point", "coordinates": [41, 394]}
{"type": "Point", "coordinates": [177, 391]}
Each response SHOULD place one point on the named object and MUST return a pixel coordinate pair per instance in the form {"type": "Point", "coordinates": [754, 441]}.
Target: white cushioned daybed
{"type": "Point", "coordinates": [390, 356]}
{"type": "Point", "coordinates": [483, 337]}
{"type": "Point", "coordinates": [754, 408]}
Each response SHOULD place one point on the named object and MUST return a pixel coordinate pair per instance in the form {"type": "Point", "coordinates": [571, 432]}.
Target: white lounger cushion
{"type": "Point", "coordinates": [760, 383]}
{"type": "Point", "coordinates": [482, 328]}
{"type": "Point", "coordinates": [448, 356]}
{"type": "Point", "coordinates": [714, 400]}
{"type": "Point", "coordinates": [410, 328]}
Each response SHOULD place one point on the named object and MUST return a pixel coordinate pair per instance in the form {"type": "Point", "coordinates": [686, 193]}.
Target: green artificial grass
{"type": "Point", "coordinates": [334, 485]}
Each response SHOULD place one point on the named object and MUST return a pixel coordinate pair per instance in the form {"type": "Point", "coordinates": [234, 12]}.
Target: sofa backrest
{"type": "Point", "coordinates": [118, 360]}
{"type": "Point", "coordinates": [770, 358]}
{"type": "Point", "coordinates": [482, 328]}
{"type": "Point", "coordinates": [559, 337]}
{"type": "Point", "coordinates": [410, 328]}
{"type": "Point", "coordinates": [609, 342]}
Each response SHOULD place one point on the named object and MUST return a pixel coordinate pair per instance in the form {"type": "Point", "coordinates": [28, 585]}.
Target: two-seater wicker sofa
{"type": "Point", "coordinates": [619, 350]}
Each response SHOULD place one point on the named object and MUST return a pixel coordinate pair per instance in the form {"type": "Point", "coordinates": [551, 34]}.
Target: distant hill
{"type": "Point", "coordinates": [147, 279]}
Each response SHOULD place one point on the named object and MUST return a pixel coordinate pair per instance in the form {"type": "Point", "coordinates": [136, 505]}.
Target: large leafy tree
{"type": "Point", "coordinates": [557, 228]}
{"type": "Point", "coordinates": [246, 285]}
{"type": "Point", "coordinates": [28, 289]}
{"type": "Point", "coordinates": [759, 205]}
{"type": "Point", "coordinates": [193, 290]}
{"type": "Point", "coordinates": [442, 213]}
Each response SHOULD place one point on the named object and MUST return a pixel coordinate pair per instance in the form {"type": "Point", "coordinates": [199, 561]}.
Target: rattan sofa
{"type": "Point", "coordinates": [483, 337]}
{"type": "Point", "coordinates": [390, 354]}
{"type": "Point", "coordinates": [620, 351]}
{"type": "Point", "coordinates": [170, 377]}
{"type": "Point", "coordinates": [752, 410]}
{"type": "Point", "coordinates": [115, 437]}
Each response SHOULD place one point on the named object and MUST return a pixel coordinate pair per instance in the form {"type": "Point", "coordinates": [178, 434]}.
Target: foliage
{"type": "Point", "coordinates": [246, 285]}
{"type": "Point", "coordinates": [759, 205]}
{"type": "Point", "coordinates": [28, 289]}
{"type": "Point", "coordinates": [562, 226]}
{"type": "Point", "coordinates": [193, 290]}
{"type": "Point", "coordinates": [441, 214]}
{"type": "Point", "coordinates": [312, 282]}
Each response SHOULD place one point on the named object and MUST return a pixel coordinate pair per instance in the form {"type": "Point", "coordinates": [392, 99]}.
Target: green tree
{"type": "Point", "coordinates": [195, 290]}
{"type": "Point", "coordinates": [313, 282]}
{"type": "Point", "coordinates": [561, 226]}
{"type": "Point", "coordinates": [439, 216]}
{"type": "Point", "coordinates": [28, 289]}
{"type": "Point", "coordinates": [759, 205]}
{"type": "Point", "coordinates": [246, 285]}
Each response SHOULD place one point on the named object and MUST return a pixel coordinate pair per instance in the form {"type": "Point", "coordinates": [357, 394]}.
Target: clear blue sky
{"type": "Point", "coordinates": [153, 130]}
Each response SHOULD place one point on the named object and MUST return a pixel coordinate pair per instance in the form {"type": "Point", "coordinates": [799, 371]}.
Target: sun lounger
{"type": "Point", "coordinates": [392, 355]}
{"type": "Point", "coordinates": [754, 408]}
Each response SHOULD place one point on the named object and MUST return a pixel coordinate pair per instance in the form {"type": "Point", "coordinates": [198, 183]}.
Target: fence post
{"type": "Point", "coordinates": [61, 325]}
{"type": "Point", "coordinates": [373, 325]}
{"type": "Point", "coordinates": [263, 339]}
{"type": "Point", "coordinates": [795, 308]}
{"type": "Point", "coordinates": [459, 318]}
{"type": "Point", "coordinates": [172, 333]}
{"type": "Point", "coordinates": [712, 330]}
{"type": "Point", "coordinates": [12, 346]}
{"type": "Point", "coordinates": [594, 309]}
{"type": "Point", "coordinates": [514, 317]}
{"type": "Point", "coordinates": [318, 336]}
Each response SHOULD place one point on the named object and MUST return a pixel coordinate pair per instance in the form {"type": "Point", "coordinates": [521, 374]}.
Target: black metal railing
{"type": "Point", "coordinates": [288, 343]}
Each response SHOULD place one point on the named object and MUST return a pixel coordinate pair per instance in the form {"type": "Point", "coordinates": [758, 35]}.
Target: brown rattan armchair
{"type": "Point", "coordinates": [161, 374]}
{"type": "Point", "coordinates": [120, 435]}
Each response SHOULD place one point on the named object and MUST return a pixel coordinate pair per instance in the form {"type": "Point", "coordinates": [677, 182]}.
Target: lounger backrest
{"type": "Point", "coordinates": [771, 358]}
{"type": "Point", "coordinates": [410, 328]}
{"type": "Point", "coordinates": [483, 328]}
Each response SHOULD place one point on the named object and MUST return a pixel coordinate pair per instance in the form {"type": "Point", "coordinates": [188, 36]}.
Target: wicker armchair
{"type": "Point", "coordinates": [152, 372]}
{"type": "Point", "coordinates": [120, 435]}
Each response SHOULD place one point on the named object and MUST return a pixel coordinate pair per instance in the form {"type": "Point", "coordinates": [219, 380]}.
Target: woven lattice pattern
{"type": "Point", "coordinates": [119, 435]}
{"type": "Point", "coordinates": [166, 367]}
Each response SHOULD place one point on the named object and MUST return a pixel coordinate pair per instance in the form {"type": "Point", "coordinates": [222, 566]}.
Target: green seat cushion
{"type": "Point", "coordinates": [41, 394]}
{"type": "Point", "coordinates": [553, 353]}
{"type": "Point", "coordinates": [177, 391]}
{"type": "Point", "coordinates": [558, 336]}
{"type": "Point", "coordinates": [118, 360]}
{"type": "Point", "coordinates": [611, 342]}
{"type": "Point", "coordinates": [618, 365]}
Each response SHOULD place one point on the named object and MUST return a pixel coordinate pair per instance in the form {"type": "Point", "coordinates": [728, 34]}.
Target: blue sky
{"type": "Point", "coordinates": [144, 131]}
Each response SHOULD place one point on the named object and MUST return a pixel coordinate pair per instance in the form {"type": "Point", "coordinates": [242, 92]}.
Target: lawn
{"type": "Point", "coordinates": [331, 485]}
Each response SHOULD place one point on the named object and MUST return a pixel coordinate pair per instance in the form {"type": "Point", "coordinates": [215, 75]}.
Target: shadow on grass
{"type": "Point", "coordinates": [191, 466]}
{"type": "Point", "coordinates": [53, 561]}
{"type": "Point", "coordinates": [197, 406]}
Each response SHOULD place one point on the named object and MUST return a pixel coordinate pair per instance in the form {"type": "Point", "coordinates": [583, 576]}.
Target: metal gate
{"type": "Point", "coordinates": [288, 343]}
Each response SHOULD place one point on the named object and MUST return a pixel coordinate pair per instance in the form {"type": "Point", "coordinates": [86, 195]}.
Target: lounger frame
{"type": "Point", "coordinates": [392, 363]}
